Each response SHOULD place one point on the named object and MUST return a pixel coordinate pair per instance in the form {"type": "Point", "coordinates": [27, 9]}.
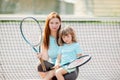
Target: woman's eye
{"type": "Point", "coordinates": [51, 22]}
{"type": "Point", "coordinates": [57, 23]}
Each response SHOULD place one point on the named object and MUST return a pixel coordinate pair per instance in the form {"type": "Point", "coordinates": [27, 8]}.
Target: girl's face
{"type": "Point", "coordinates": [67, 38]}
{"type": "Point", "coordinates": [54, 24]}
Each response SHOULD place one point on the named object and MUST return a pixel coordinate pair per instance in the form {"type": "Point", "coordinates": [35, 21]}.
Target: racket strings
{"type": "Point", "coordinates": [78, 62]}
{"type": "Point", "coordinates": [31, 31]}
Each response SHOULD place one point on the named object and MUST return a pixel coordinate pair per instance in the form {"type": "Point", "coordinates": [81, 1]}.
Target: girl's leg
{"type": "Point", "coordinates": [59, 73]}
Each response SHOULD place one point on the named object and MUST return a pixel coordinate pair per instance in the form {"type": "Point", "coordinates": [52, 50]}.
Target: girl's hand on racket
{"type": "Point", "coordinates": [56, 66]}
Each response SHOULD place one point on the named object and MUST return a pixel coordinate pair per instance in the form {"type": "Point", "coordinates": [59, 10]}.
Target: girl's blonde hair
{"type": "Point", "coordinates": [64, 32]}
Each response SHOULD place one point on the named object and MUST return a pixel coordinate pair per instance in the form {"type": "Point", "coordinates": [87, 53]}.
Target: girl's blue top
{"type": "Point", "coordinates": [69, 52]}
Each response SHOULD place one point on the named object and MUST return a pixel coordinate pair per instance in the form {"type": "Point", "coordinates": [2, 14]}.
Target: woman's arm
{"type": "Point", "coordinates": [43, 54]}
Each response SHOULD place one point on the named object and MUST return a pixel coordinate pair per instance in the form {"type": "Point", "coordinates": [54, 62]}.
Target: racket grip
{"type": "Point", "coordinates": [42, 64]}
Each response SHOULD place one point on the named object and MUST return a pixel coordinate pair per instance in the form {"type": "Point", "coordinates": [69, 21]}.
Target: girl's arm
{"type": "Point", "coordinates": [57, 64]}
{"type": "Point", "coordinates": [58, 59]}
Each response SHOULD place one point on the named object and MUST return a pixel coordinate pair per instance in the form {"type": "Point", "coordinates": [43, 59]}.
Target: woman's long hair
{"type": "Point", "coordinates": [46, 33]}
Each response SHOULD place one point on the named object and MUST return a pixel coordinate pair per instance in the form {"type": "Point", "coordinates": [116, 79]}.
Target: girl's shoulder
{"type": "Point", "coordinates": [76, 43]}
{"type": "Point", "coordinates": [72, 44]}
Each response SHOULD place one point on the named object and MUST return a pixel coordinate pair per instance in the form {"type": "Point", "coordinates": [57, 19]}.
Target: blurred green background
{"type": "Point", "coordinates": [97, 8]}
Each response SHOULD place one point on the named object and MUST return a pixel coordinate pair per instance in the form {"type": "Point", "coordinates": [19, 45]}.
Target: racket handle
{"type": "Point", "coordinates": [42, 64]}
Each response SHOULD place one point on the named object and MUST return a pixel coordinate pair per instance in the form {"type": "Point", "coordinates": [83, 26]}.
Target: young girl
{"type": "Point", "coordinates": [68, 51]}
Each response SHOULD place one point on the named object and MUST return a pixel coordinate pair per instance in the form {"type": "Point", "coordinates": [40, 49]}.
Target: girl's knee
{"type": "Point", "coordinates": [57, 72]}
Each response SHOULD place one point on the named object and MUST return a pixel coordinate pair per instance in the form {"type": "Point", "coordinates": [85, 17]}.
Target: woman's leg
{"type": "Point", "coordinates": [59, 73]}
{"type": "Point", "coordinates": [49, 75]}
{"type": "Point", "coordinates": [42, 74]}
{"type": "Point", "coordinates": [45, 75]}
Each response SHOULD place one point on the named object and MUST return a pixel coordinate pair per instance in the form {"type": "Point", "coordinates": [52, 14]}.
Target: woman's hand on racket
{"type": "Point", "coordinates": [42, 55]}
{"type": "Point", "coordinates": [39, 55]}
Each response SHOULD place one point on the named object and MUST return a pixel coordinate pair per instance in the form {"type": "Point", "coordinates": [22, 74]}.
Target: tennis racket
{"type": "Point", "coordinates": [31, 32]}
{"type": "Point", "coordinates": [80, 61]}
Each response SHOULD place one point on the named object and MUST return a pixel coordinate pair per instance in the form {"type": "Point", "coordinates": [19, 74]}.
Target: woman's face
{"type": "Point", "coordinates": [54, 24]}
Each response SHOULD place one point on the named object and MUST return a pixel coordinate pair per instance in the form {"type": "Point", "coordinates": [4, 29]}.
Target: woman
{"type": "Point", "coordinates": [50, 47]}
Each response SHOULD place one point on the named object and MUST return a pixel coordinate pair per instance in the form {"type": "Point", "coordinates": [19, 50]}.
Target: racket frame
{"type": "Point", "coordinates": [33, 46]}
{"type": "Point", "coordinates": [23, 34]}
{"type": "Point", "coordinates": [79, 59]}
